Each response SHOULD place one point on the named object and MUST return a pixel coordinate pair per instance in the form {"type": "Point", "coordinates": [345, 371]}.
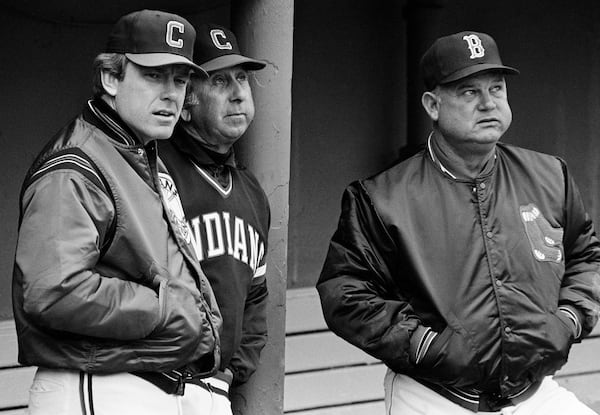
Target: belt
{"type": "Point", "coordinates": [211, 384]}
{"type": "Point", "coordinates": [174, 382]}
{"type": "Point", "coordinates": [492, 402]}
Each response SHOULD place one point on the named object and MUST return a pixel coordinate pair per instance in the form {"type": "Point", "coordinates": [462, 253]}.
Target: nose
{"type": "Point", "coordinates": [171, 89]}
{"type": "Point", "coordinates": [238, 92]}
{"type": "Point", "coordinates": [486, 101]}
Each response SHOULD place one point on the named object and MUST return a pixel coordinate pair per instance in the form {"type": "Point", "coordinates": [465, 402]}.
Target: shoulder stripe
{"type": "Point", "coordinates": [77, 160]}
{"type": "Point", "coordinates": [66, 161]}
{"type": "Point", "coordinates": [72, 159]}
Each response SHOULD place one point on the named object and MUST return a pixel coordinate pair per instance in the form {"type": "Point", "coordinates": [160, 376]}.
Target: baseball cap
{"type": "Point", "coordinates": [217, 48]}
{"type": "Point", "coordinates": [459, 55]}
{"type": "Point", "coordinates": [154, 38]}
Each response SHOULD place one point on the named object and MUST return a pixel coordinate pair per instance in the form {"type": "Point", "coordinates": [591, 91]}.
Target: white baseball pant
{"type": "Point", "coordinates": [66, 392]}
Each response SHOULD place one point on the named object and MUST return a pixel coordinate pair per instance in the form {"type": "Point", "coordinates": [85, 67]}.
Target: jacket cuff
{"type": "Point", "coordinates": [226, 375]}
{"type": "Point", "coordinates": [420, 342]}
{"type": "Point", "coordinates": [573, 316]}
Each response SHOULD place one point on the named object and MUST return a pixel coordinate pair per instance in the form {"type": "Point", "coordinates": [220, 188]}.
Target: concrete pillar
{"type": "Point", "coordinates": [264, 29]}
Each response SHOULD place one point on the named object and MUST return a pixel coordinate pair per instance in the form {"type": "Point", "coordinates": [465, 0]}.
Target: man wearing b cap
{"type": "Point", "coordinates": [227, 208]}
{"type": "Point", "coordinates": [471, 268]}
{"type": "Point", "coordinates": [110, 302]}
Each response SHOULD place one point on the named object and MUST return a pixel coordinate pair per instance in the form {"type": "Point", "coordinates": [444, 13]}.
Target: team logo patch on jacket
{"type": "Point", "coordinates": [174, 207]}
{"type": "Point", "coordinates": [545, 240]}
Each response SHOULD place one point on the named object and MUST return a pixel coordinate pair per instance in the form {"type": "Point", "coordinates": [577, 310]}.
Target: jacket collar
{"type": "Point", "coordinates": [198, 153]}
{"type": "Point", "coordinates": [101, 115]}
{"type": "Point", "coordinates": [438, 157]}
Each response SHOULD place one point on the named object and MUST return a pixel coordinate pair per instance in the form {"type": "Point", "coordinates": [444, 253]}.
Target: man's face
{"type": "Point", "coordinates": [149, 99]}
{"type": "Point", "coordinates": [473, 113]}
{"type": "Point", "coordinates": [224, 107]}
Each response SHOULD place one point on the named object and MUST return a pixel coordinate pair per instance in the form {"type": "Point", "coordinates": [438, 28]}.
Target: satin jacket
{"type": "Point", "coordinates": [105, 279]}
{"type": "Point", "coordinates": [485, 263]}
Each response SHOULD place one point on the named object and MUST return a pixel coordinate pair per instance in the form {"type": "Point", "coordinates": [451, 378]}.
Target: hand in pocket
{"type": "Point", "coordinates": [451, 360]}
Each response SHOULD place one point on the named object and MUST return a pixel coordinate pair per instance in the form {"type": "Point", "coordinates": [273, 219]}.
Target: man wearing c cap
{"type": "Point", "coordinates": [109, 300]}
{"type": "Point", "coordinates": [227, 208]}
{"type": "Point", "coordinates": [472, 267]}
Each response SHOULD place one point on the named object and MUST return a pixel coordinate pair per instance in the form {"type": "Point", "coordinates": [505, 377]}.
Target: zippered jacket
{"type": "Point", "coordinates": [105, 279]}
{"type": "Point", "coordinates": [502, 269]}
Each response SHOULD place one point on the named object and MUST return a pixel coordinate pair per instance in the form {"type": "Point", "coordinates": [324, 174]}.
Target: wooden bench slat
{"type": "Point", "coordinates": [303, 311]}
{"type": "Point", "coordinates": [585, 387]}
{"type": "Point", "coordinates": [8, 344]}
{"type": "Point", "coordinates": [333, 387]}
{"type": "Point", "coordinates": [321, 350]}
{"type": "Point", "coordinates": [370, 408]}
{"type": "Point", "coordinates": [583, 358]}
{"type": "Point", "coordinates": [13, 412]}
{"type": "Point", "coordinates": [14, 385]}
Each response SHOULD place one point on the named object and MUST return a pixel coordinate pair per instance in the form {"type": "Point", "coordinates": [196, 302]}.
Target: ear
{"type": "Point", "coordinates": [186, 115]}
{"type": "Point", "coordinates": [110, 83]}
{"type": "Point", "coordinates": [431, 103]}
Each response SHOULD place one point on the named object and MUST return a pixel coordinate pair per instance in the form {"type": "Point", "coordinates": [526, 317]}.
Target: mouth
{"type": "Point", "coordinates": [167, 114]}
{"type": "Point", "coordinates": [488, 121]}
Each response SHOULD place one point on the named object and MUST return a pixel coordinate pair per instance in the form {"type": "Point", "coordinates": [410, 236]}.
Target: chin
{"type": "Point", "coordinates": [162, 133]}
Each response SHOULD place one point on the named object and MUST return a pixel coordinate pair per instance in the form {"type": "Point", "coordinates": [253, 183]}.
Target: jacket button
{"type": "Point", "coordinates": [498, 283]}
{"type": "Point", "coordinates": [507, 330]}
{"type": "Point", "coordinates": [489, 234]}
{"type": "Point", "coordinates": [482, 185]}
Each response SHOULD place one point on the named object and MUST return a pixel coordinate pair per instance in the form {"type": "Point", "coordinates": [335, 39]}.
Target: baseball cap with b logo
{"type": "Point", "coordinates": [457, 56]}
{"type": "Point", "coordinates": [154, 38]}
{"type": "Point", "coordinates": [217, 48]}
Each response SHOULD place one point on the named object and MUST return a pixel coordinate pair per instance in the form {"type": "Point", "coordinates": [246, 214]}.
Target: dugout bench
{"type": "Point", "coordinates": [324, 375]}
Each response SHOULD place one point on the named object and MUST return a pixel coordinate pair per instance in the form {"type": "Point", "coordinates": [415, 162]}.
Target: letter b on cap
{"type": "Point", "coordinates": [475, 46]}
{"type": "Point", "coordinates": [173, 26]}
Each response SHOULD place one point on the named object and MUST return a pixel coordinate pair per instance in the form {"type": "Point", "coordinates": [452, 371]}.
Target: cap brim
{"type": "Point", "coordinates": [161, 59]}
{"type": "Point", "coordinates": [463, 73]}
{"type": "Point", "coordinates": [227, 61]}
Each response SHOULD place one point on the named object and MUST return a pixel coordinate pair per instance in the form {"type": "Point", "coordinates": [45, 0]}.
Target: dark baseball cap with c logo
{"type": "Point", "coordinates": [154, 38]}
{"type": "Point", "coordinates": [457, 56]}
{"type": "Point", "coordinates": [217, 48]}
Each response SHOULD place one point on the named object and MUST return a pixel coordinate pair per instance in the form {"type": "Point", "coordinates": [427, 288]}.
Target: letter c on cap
{"type": "Point", "coordinates": [217, 35]}
{"type": "Point", "coordinates": [171, 27]}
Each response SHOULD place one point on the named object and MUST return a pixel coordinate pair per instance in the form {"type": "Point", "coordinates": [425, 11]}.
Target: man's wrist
{"type": "Point", "coordinates": [420, 342]}
{"type": "Point", "coordinates": [572, 316]}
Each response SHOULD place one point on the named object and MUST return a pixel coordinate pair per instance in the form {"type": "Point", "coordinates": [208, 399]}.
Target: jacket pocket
{"type": "Point", "coordinates": [556, 344]}
{"type": "Point", "coordinates": [450, 360]}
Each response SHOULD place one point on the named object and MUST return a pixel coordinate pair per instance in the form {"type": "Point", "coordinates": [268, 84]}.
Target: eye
{"type": "Point", "coordinates": [219, 80]}
{"type": "Point", "coordinates": [242, 77]}
{"type": "Point", "coordinates": [153, 74]}
{"type": "Point", "coordinates": [497, 88]}
{"type": "Point", "coordinates": [182, 80]}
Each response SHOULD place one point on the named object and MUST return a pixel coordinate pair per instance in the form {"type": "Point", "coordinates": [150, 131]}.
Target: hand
{"type": "Point", "coordinates": [450, 360]}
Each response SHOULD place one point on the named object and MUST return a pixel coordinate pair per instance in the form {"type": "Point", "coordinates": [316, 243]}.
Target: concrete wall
{"type": "Point", "coordinates": [354, 106]}
{"type": "Point", "coordinates": [348, 100]}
